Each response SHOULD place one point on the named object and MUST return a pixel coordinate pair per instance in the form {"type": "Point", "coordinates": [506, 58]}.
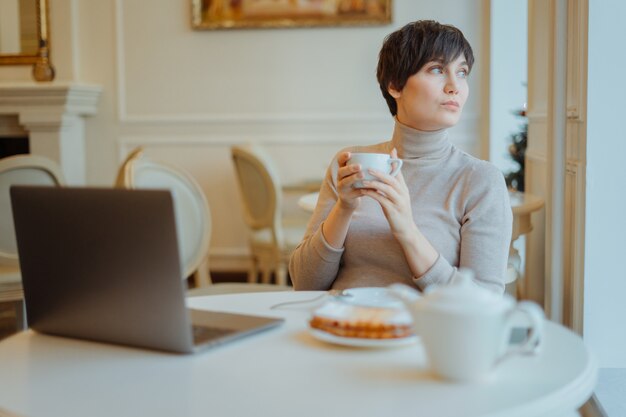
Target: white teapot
{"type": "Point", "coordinates": [466, 329]}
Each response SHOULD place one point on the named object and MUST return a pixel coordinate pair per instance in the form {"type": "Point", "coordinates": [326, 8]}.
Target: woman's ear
{"type": "Point", "coordinates": [393, 92]}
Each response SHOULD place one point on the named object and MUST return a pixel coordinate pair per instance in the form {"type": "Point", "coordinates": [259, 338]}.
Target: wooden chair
{"type": "Point", "coordinates": [193, 219]}
{"type": "Point", "coordinates": [193, 216]}
{"type": "Point", "coordinates": [271, 239]}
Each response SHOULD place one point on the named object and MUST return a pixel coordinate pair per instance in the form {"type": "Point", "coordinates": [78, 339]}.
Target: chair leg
{"type": "Point", "coordinates": [266, 275]}
{"type": "Point", "coordinates": [281, 274]}
{"type": "Point", "coordinates": [202, 276]}
{"type": "Point", "coordinates": [252, 275]}
{"type": "Point", "coordinates": [253, 272]}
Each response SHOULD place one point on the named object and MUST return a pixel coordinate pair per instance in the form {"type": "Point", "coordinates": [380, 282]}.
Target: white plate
{"type": "Point", "coordinates": [362, 342]}
{"type": "Point", "coordinates": [363, 304]}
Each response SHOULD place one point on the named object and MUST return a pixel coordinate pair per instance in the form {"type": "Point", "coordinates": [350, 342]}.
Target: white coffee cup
{"type": "Point", "coordinates": [377, 161]}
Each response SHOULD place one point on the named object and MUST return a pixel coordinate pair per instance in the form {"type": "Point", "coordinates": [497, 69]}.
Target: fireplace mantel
{"type": "Point", "coordinates": [53, 115]}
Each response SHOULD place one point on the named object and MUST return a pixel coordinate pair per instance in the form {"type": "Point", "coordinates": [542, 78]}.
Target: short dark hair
{"type": "Point", "coordinates": [407, 50]}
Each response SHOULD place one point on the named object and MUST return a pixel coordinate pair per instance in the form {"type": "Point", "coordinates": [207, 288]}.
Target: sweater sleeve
{"type": "Point", "coordinates": [486, 229]}
{"type": "Point", "coordinates": [314, 263]}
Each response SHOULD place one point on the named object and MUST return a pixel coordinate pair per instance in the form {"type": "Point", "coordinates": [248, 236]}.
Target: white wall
{"type": "Point", "coordinates": [605, 243]}
{"type": "Point", "coordinates": [188, 96]}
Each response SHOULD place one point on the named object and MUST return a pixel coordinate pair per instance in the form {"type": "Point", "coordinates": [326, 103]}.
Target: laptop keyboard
{"type": "Point", "coordinates": [203, 334]}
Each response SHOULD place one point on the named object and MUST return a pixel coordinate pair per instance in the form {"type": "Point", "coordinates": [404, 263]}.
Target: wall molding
{"type": "Point", "coordinates": [253, 118]}
{"type": "Point", "coordinates": [239, 118]}
{"type": "Point", "coordinates": [127, 141]}
{"type": "Point", "coordinates": [368, 121]}
{"type": "Point", "coordinates": [215, 139]}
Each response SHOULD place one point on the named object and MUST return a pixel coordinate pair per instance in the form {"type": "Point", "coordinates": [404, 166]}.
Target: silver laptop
{"type": "Point", "coordinates": [103, 265]}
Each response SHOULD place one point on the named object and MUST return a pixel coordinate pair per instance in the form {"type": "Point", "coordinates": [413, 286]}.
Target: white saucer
{"type": "Point", "coordinates": [362, 342]}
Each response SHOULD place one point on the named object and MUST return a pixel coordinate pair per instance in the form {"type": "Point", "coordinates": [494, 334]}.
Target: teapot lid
{"type": "Point", "coordinates": [464, 294]}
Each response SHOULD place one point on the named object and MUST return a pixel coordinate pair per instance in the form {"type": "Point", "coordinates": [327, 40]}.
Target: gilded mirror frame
{"type": "Point", "coordinates": [42, 67]}
{"type": "Point", "coordinates": [220, 14]}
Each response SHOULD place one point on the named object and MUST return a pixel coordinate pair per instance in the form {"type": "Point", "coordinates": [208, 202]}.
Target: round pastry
{"type": "Point", "coordinates": [346, 320]}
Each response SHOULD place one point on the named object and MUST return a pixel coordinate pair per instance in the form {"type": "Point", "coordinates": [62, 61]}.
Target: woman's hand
{"type": "Point", "coordinates": [347, 175]}
{"type": "Point", "coordinates": [393, 196]}
{"type": "Point", "coordinates": [335, 227]}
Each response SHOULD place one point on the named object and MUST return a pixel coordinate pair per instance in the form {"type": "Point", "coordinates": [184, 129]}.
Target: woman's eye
{"type": "Point", "coordinates": [436, 70]}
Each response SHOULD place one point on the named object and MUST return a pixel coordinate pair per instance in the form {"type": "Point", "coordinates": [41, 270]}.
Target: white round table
{"type": "Point", "coordinates": [523, 206]}
{"type": "Point", "coordinates": [280, 372]}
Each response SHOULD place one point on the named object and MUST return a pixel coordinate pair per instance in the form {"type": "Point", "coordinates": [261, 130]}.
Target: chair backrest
{"type": "Point", "coordinates": [21, 170]}
{"type": "Point", "coordinates": [193, 216]}
{"type": "Point", "coordinates": [259, 186]}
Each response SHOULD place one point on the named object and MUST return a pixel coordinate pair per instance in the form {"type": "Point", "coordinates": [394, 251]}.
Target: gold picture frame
{"type": "Point", "coordinates": [39, 57]}
{"type": "Point", "coordinates": [235, 14]}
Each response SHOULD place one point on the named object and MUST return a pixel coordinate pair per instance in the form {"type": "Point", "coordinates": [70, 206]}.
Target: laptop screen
{"type": "Point", "coordinates": [102, 264]}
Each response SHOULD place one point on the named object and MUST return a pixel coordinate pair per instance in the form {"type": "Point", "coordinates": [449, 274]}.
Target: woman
{"type": "Point", "coordinates": [445, 210]}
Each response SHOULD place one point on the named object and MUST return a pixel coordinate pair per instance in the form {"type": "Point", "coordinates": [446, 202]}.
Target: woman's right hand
{"type": "Point", "coordinates": [335, 227]}
{"type": "Point", "coordinates": [347, 175]}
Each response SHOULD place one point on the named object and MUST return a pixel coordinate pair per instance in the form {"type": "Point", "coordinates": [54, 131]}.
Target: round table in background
{"type": "Point", "coordinates": [308, 201]}
{"type": "Point", "coordinates": [523, 206]}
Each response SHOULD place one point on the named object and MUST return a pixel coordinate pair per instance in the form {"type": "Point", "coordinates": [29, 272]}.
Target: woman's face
{"type": "Point", "coordinates": [433, 98]}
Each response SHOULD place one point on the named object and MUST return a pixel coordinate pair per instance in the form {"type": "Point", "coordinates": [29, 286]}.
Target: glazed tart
{"type": "Point", "coordinates": [369, 313]}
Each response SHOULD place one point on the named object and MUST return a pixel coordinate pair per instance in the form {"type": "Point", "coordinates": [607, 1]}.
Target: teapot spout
{"type": "Point", "coordinates": [409, 296]}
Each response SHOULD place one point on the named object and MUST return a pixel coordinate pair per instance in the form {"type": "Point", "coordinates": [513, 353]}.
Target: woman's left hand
{"type": "Point", "coordinates": [393, 196]}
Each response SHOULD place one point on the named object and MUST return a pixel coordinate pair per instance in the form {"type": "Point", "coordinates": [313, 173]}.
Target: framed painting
{"type": "Point", "coordinates": [233, 14]}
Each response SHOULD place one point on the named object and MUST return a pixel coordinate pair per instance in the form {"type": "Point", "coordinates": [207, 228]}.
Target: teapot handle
{"type": "Point", "coordinates": [532, 344]}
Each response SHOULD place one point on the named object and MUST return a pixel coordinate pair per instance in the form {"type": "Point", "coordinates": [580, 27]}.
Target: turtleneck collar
{"type": "Point", "coordinates": [421, 145]}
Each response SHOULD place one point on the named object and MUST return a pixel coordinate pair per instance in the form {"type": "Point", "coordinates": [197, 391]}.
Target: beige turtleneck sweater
{"type": "Point", "coordinates": [460, 203]}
